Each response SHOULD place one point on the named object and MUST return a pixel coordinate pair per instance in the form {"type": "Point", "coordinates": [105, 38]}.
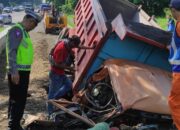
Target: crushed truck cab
{"type": "Point", "coordinates": [125, 81]}
{"type": "Point", "coordinates": [120, 30]}
{"type": "Point", "coordinates": [140, 74]}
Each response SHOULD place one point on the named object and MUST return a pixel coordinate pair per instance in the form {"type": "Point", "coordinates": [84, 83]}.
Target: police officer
{"type": "Point", "coordinates": [19, 51]}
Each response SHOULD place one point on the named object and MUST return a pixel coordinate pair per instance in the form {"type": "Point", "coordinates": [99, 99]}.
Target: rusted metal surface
{"type": "Point", "coordinates": [139, 86]}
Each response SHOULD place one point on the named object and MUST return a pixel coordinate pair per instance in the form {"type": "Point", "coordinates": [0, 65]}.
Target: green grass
{"type": "Point", "coordinates": [1, 29]}
{"type": "Point", "coordinates": [162, 21]}
{"type": "Point", "coordinates": [70, 21]}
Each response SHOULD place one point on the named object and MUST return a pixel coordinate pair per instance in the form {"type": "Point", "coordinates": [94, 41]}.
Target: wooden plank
{"type": "Point", "coordinates": [83, 119]}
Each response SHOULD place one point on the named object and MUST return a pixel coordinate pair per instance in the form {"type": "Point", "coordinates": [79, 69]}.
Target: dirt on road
{"type": "Point", "coordinates": [36, 103]}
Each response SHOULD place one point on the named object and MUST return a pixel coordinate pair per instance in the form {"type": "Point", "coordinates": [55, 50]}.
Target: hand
{"type": "Point", "coordinates": [168, 47]}
{"type": "Point", "coordinates": [72, 69]}
{"type": "Point", "coordinates": [15, 78]}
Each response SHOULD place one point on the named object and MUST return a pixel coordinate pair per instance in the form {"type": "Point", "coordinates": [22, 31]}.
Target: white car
{"type": "Point", "coordinates": [5, 18]}
{"type": "Point", "coordinates": [21, 8]}
{"type": "Point", "coordinates": [7, 10]}
{"type": "Point", "coordinates": [16, 9]}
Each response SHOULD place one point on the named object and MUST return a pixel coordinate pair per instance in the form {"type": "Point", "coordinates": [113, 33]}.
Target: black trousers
{"type": "Point", "coordinates": [17, 100]}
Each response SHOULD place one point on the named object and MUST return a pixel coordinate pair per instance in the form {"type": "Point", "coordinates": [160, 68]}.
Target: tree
{"type": "Point", "coordinates": [66, 6]}
{"type": "Point", "coordinates": [69, 6]}
{"type": "Point", "coordinates": [56, 3]}
{"type": "Point", "coordinates": [18, 2]}
{"type": "Point", "coordinates": [73, 3]}
{"type": "Point", "coordinates": [37, 2]}
{"type": "Point", "coordinates": [152, 7]}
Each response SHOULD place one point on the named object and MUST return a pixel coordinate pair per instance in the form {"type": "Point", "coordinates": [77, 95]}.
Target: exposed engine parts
{"type": "Point", "coordinates": [98, 102]}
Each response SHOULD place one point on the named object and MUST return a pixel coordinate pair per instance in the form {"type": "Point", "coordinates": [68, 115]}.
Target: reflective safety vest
{"type": "Point", "coordinates": [24, 57]}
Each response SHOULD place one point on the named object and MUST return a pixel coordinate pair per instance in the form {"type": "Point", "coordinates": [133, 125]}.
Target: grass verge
{"type": "Point", "coordinates": [162, 20]}
{"type": "Point", "coordinates": [1, 29]}
{"type": "Point", "coordinates": [70, 20]}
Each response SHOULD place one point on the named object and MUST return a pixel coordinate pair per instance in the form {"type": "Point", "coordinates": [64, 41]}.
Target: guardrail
{"type": "Point", "coordinates": [3, 39]}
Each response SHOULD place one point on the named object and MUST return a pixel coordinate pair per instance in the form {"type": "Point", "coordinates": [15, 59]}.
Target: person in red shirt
{"type": "Point", "coordinates": [60, 59]}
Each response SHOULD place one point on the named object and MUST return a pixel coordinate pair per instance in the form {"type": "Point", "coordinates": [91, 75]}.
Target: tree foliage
{"type": "Point", "coordinates": [152, 7]}
{"type": "Point", "coordinates": [66, 6]}
{"type": "Point", "coordinates": [8, 2]}
{"type": "Point", "coordinates": [69, 6]}
{"type": "Point", "coordinates": [18, 2]}
{"type": "Point", "coordinates": [57, 3]}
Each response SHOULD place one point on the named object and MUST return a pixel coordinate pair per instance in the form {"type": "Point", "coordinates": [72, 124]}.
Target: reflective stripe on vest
{"type": "Point", "coordinates": [24, 58]}
{"type": "Point", "coordinates": [174, 57]}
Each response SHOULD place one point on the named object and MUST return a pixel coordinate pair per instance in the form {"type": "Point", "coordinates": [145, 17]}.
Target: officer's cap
{"type": "Point", "coordinates": [175, 4]}
{"type": "Point", "coordinates": [33, 15]}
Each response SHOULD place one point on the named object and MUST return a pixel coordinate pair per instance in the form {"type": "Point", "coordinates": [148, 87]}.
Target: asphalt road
{"type": "Point", "coordinates": [17, 16]}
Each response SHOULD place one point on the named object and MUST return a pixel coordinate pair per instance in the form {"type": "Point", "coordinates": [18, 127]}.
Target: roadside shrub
{"type": "Point", "coordinates": [152, 7]}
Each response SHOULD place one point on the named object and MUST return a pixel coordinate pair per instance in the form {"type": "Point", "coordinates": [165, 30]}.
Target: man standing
{"type": "Point", "coordinates": [61, 59]}
{"type": "Point", "coordinates": [19, 51]}
{"type": "Point", "coordinates": [174, 59]}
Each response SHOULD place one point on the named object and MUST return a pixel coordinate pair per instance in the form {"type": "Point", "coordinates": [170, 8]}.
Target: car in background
{"type": "Point", "coordinates": [5, 18]}
{"type": "Point", "coordinates": [7, 10]}
{"type": "Point", "coordinates": [1, 24]}
{"type": "Point", "coordinates": [21, 7]}
{"type": "Point", "coordinates": [1, 7]}
{"type": "Point", "coordinates": [16, 9]}
{"type": "Point", "coordinates": [29, 6]}
{"type": "Point", "coordinates": [43, 8]}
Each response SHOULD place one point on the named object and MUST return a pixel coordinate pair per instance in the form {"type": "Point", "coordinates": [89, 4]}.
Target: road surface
{"type": "Point", "coordinates": [39, 76]}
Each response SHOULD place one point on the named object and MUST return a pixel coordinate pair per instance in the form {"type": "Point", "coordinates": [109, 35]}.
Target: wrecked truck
{"type": "Point", "coordinates": [126, 79]}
